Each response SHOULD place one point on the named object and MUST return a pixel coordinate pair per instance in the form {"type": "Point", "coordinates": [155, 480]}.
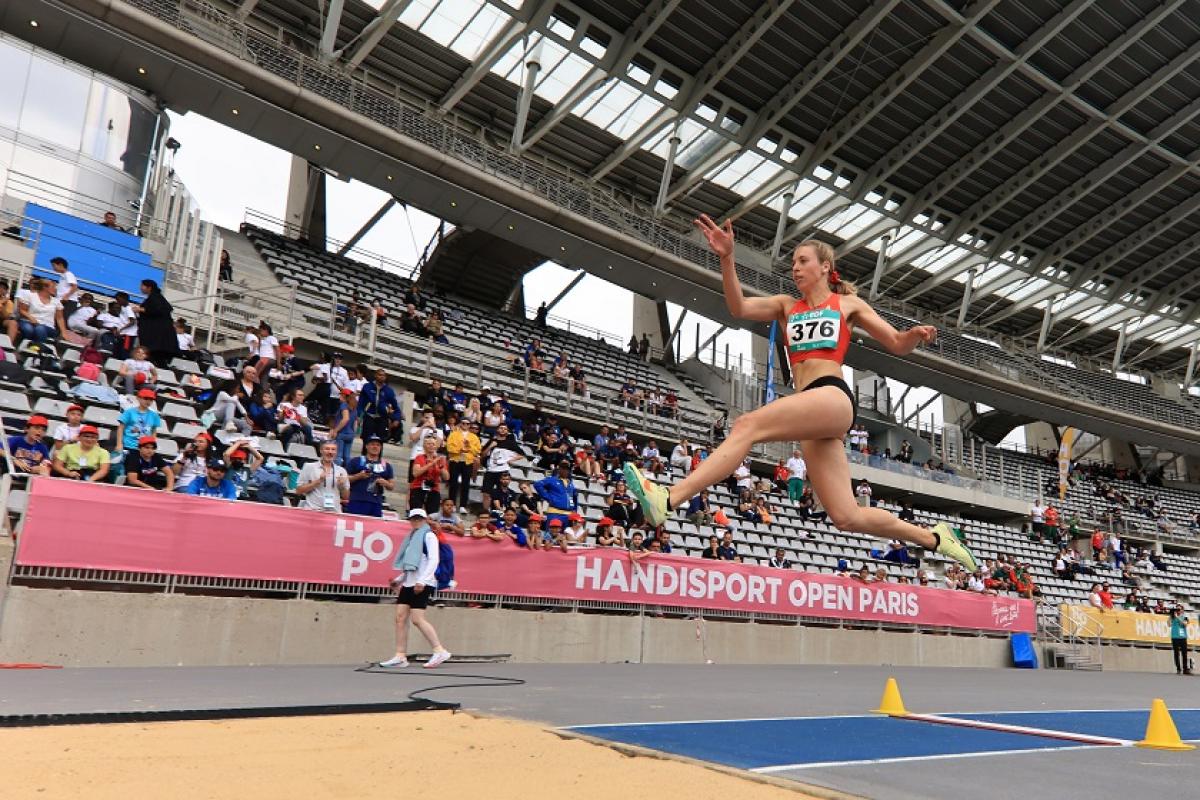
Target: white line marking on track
{"type": "Point", "coordinates": [935, 757]}
{"type": "Point", "coordinates": [716, 721]}
{"type": "Point", "coordinates": [1087, 738]}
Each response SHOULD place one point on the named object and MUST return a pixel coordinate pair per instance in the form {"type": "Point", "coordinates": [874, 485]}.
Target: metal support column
{"type": "Point", "coordinates": [789, 197]}
{"type": "Point", "coordinates": [668, 171]}
{"type": "Point", "coordinates": [880, 265]}
{"type": "Point", "coordinates": [1190, 374]}
{"type": "Point", "coordinates": [1119, 351]}
{"type": "Point", "coordinates": [558, 297]}
{"type": "Point", "coordinates": [966, 300]}
{"type": "Point", "coordinates": [333, 18]}
{"type": "Point", "coordinates": [1047, 321]}
{"type": "Point", "coordinates": [533, 65]}
{"type": "Point", "coordinates": [366, 228]}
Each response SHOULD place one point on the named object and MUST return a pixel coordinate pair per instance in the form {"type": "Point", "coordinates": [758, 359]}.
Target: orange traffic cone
{"type": "Point", "coordinates": [1161, 733]}
{"type": "Point", "coordinates": [891, 703]}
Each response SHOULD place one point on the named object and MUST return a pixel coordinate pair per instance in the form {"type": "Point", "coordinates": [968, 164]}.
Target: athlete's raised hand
{"type": "Point", "coordinates": [720, 237]}
{"type": "Point", "coordinates": [926, 334]}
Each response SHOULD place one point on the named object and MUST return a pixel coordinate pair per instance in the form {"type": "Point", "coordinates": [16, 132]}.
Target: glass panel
{"type": "Point", "coordinates": [14, 66]}
{"type": "Point", "coordinates": [55, 103]}
{"type": "Point", "coordinates": [118, 130]}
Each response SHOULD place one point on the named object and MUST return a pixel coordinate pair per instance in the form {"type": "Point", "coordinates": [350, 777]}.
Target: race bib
{"type": "Point", "coordinates": [813, 330]}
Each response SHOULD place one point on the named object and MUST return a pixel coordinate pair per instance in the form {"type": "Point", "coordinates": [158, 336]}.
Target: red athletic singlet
{"type": "Point", "coordinates": [819, 332]}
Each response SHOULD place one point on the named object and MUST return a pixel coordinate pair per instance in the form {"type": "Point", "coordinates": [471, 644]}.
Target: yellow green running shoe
{"type": "Point", "coordinates": [652, 497]}
{"type": "Point", "coordinates": [949, 545]}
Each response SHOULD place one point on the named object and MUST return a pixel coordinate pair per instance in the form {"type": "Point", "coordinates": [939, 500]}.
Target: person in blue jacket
{"type": "Point", "coordinates": [213, 483]}
{"type": "Point", "coordinates": [379, 408]}
{"type": "Point", "coordinates": [559, 492]}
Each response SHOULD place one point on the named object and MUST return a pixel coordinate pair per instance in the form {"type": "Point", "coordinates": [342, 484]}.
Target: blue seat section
{"type": "Point", "coordinates": [102, 259]}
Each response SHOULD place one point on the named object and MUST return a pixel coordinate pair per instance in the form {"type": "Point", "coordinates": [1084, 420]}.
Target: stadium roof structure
{"type": "Point", "coordinates": [1025, 168]}
{"type": "Point", "coordinates": [1034, 166]}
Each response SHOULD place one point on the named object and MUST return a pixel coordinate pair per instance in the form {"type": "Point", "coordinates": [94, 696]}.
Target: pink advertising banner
{"type": "Point", "coordinates": [114, 528]}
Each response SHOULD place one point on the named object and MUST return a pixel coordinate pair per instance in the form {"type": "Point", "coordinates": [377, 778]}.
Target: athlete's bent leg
{"type": "Point", "coordinates": [829, 472]}
{"type": "Point", "coordinates": [817, 414]}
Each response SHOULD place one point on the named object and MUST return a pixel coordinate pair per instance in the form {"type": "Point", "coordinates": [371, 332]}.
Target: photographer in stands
{"type": "Point", "coordinates": [370, 476]}
{"type": "Point", "coordinates": [192, 463]}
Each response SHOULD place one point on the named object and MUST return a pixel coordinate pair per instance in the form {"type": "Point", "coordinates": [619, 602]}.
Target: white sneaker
{"type": "Point", "coordinates": [437, 658]}
{"type": "Point", "coordinates": [462, 510]}
{"type": "Point", "coordinates": [396, 661]}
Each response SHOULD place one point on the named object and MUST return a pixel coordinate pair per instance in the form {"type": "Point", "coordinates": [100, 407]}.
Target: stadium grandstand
{"type": "Point", "coordinates": [1022, 177]}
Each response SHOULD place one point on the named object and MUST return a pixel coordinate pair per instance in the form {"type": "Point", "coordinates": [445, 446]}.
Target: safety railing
{"type": "Point", "coordinates": [282, 227]}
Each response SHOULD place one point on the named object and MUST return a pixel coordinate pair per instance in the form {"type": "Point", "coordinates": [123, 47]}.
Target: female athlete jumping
{"type": "Point", "coordinates": [822, 410]}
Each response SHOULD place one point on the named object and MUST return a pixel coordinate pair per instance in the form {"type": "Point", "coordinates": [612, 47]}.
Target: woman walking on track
{"type": "Point", "coordinates": [818, 415]}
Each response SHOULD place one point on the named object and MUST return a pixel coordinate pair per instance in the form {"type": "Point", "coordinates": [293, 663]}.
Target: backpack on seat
{"type": "Point", "coordinates": [268, 485]}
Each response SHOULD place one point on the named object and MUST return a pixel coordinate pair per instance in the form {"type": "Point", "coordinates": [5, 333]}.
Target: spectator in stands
{"type": "Point", "coordinates": [713, 549]}
{"type": "Point", "coordinates": [268, 350]}
{"type": "Point", "coordinates": [644, 348]}
{"type": "Point", "coordinates": [729, 551]}
{"type": "Point", "coordinates": [681, 456]}
{"type": "Point", "coordinates": [228, 410]}
{"type": "Point", "coordinates": [501, 497]}
{"type": "Point", "coordinates": [429, 470]}
{"type": "Point", "coordinates": [110, 222]}
{"type": "Point", "coordinates": [192, 462]}
{"type": "Point", "coordinates": [863, 492]}
{"type": "Point", "coordinates": [67, 289]}
{"type": "Point", "coordinates": [156, 326]}
{"type": "Point", "coordinates": [39, 313]}
{"type": "Point", "coordinates": [225, 268]}
{"type": "Point", "coordinates": [138, 421]}
{"type": "Point", "coordinates": [905, 453]}
{"type": "Point", "coordinates": [575, 532]}
{"type": "Point", "coordinates": [68, 432]}
{"type": "Point", "coordinates": [83, 460]}
{"type": "Point", "coordinates": [897, 553]}
{"type": "Point", "coordinates": [127, 333]}
{"type": "Point", "coordinates": [417, 434]}
{"type": "Point", "coordinates": [558, 490]}
{"type": "Point", "coordinates": [462, 449]}
{"type": "Point", "coordinates": [413, 297]}
{"type": "Point", "coordinates": [797, 473]}
{"type": "Point", "coordinates": [379, 407]}
{"type": "Point", "coordinates": [292, 418]}
{"type": "Point", "coordinates": [8, 311]}
{"type": "Point", "coordinates": [621, 506]}
{"type": "Point", "coordinates": [370, 476]}
{"type": "Point", "coordinates": [243, 459]}
{"type": "Point", "coordinates": [341, 430]}
{"type": "Point", "coordinates": [780, 559]}
{"type": "Point", "coordinates": [214, 483]}
{"type": "Point", "coordinates": [859, 438]}
{"type": "Point", "coordinates": [145, 468]}
{"type": "Point", "coordinates": [138, 371]}
{"type": "Point", "coordinates": [187, 343]}
{"type": "Point", "coordinates": [699, 512]}
{"type": "Point", "coordinates": [324, 485]}
{"type": "Point", "coordinates": [412, 322]}
{"type": "Point", "coordinates": [435, 327]}
{"type": "Point", "coordinates": [447, 522]}
{"type": "Point", "coordinates": [496, 455]}
{"type": "Point", "coordinates": [1106, 598]}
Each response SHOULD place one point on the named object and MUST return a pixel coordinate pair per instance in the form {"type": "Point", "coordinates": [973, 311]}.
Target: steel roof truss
{"type": "Point", "coordinates": [778, 106]}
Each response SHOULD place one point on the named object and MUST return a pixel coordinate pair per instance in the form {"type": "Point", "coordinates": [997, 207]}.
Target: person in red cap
{"type": "Point", "coordinates": [193, 462]}
{"type": "Point", "coordinates": [29, 453]}
{"type": "Point", "coordinates": [138, 421]}
{"type": "Point", "coordinates": [83, 459]}
{"type": "Point", "coordinates": [608, 534]}
{"type": "Point", "coordinates": [537, 537]}
{"type": "Point", "coordinates": [146, 469]}
{"type": "Point", "coordinates": [576, 533]}
{"type": "Point", "coordinates": [68, 432]}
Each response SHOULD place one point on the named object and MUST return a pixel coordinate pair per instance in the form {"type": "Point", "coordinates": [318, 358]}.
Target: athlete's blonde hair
{"type": "Point", "coordinates": [825, 255]}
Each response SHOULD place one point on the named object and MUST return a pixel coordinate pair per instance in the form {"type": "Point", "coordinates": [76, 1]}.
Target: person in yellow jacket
{"type": "Point", "coordinates": [462, 447]}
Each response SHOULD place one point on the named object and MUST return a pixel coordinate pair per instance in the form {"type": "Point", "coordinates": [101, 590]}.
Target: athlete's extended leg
{"type": "Point", "coordinates": [829, 472]}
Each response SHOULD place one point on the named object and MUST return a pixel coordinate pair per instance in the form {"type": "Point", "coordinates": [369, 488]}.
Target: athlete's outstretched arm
{"type": "Point", "coordinates": [899, 343]}
{"type": "Point", "coordinates": [759, 309]}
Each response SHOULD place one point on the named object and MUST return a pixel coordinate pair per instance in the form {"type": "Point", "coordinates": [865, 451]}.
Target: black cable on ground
{"type": "Point", "coordinates": [478, 681]}
{"type": "Point", "coordinates": [249, 712]}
